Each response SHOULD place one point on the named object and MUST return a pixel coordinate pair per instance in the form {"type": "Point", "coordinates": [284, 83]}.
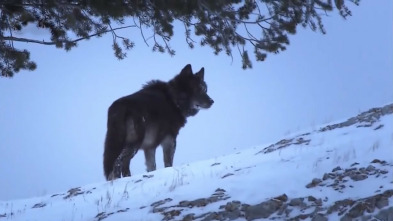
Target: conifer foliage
{"type": "Point", "coordinates": [224, 25]}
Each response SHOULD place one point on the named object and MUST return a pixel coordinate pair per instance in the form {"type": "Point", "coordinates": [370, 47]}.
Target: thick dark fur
{"type": "Point", "coordinates": [151, 117]}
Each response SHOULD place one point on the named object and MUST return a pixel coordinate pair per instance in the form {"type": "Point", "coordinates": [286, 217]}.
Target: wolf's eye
{"type": "Point", "coordinates": [203, 88]}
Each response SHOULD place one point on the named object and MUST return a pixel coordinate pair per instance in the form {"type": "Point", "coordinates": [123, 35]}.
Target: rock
{"type": "Point", "coordinates": [282, 198]}
{"type": "Point", "coordinates": [161, 202]}
{"type": "Point", "coordinates": [349, 122]}
{"type": "Point", "coordinates": [336, 169]}
{"type": "Point", "coordinates": [159, 209]}
{"type": "Point", "coordinates": [231, 211]}
{"type": "Point", "coordinates": [232, 215]}
{"type": "Point", "coordinates": [388, 109]}
{"type": "Point", "coordinates": [220, 190]}
{"type": "Point", "coordinates": [227, 175]}
{"type": "Point", "coordinates": [297, 202]}
{"type": "Point", "coordinates": [301, 217]}
{"type": "Point", "coordinates": [101, 216]}
{"type": "Point", "coordinates": [386, 214]}
{"type": "Point", "coordinates": [262, 210]}
{"type": "Point", "coordinates": [376, 161]}
{"type": "Point", "coordinates": [333, 175]}
{"type": "Point", "coordinates": [358, 177]}
{"type": "Point", "coordinates": [340, 204]}
{"type": "Point", "coordinates": [188, 217]}
{"type": "Point", "coordinates": [232, 206]}
{"type": "Point", "coordinates": [357, 210]}
{"type": "Point", "coordinates": [123, 210]}
{"type": "Point", "coordinates": [198, 203]}
{"type": "Point", "coordinates": [363, 170]}
{"type": "Point", "coordinates": [171, 214]}
{"type": "Point", "coordinates": [388, 193]}
{"type": "Point", "coordinates": [349, 170]}
{"type": "Point", "coordinates": [301, 140]}
{"type": "Point", "coordinates": [382, 202]}
{"type": "Point", "coordinates": [39, 205]}
{"type": "Point", "coordinates": [288, 211]}
{"type": "Point", "coordinates": [314, 182]}
{"type": "Point", "coordinates": [283, 208]}
{"type": "Point", "coordinates": [370, 202]}
{"type": "Point", "coordinates": [346, 218]}
{"type": "Point", "coordinates": [211, 216]}
{"type": "Point", "coordinates": [354, 164]}
{"type": "Point", "coordinates": [319, 217]}
{"type": "Point", "coordinates": [318, 202]}
{"type": "Point", "coordinates": [73, 192]}
{"type": "Point", "coordinates": [379, 161]}
{"type": "Point", "coordinates": [104, 215]}
{"type": "Point", "coordinates": [383, 171]}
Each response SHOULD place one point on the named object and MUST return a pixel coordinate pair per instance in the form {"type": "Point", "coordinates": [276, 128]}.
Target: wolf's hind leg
{"type": "Point", "coordinates": [125, 166]}
{"type": "Point", "coordinates": [122, 162]}
{"type": "Point", "coordinates": [169, 148]}
{"type": "Point", "coordinates": [132, 144]}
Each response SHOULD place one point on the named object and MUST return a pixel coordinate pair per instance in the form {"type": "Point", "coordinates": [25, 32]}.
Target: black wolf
{"type": "Point", "coordinates": [150, 117]}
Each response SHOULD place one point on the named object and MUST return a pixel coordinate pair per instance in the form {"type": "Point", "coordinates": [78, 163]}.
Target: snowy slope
{"type": "Point", "coordinates": [339, 171]}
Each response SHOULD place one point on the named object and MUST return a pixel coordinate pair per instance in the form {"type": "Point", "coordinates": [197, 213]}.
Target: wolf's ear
{"type": "Point", "coordinates": [201, 74]}
{"type": "Point", "coordinates": [186, 70]}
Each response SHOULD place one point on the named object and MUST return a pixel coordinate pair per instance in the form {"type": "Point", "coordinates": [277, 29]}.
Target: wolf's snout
{"type": "Point", "coordinates": [209, 103]}
{"type": "Point", "coordinates": [204, 104]}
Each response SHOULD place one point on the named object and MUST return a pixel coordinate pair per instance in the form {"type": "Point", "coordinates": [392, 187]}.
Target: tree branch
{"type": "Point", "coordinates": [27, 40]}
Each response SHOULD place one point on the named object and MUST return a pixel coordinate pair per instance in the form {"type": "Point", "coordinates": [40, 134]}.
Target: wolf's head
{"type": "Point", "coordinates": [190, 91]}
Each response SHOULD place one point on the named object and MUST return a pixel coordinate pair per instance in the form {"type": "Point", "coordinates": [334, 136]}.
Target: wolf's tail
{"type": "Point", "coordinates": [115, 138]}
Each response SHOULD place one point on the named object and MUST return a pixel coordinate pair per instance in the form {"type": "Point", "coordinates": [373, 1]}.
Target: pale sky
{"type": "Point", "coordinates": [53, 120]}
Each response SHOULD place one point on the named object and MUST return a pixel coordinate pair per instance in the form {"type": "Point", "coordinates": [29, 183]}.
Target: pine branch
{"type": "Point", "coordinates": [28, 40]}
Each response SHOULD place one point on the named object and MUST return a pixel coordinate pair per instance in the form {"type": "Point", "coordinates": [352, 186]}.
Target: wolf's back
{"type": "Point", "coordinates": [115, 136]}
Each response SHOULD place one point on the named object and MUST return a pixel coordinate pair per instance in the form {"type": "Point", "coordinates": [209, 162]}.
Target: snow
{"type": "Point", "coordinates": [250, 176]}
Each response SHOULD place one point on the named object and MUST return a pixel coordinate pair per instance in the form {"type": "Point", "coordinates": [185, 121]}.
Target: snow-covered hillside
{"type": "Point", "coordinates": [338, 171]}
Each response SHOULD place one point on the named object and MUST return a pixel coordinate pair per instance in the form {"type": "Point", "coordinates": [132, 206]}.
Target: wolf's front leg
{"type": "Point", "coordinates": [169, 148]}
{"type": "Point", "coordinates": [150, 157]}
